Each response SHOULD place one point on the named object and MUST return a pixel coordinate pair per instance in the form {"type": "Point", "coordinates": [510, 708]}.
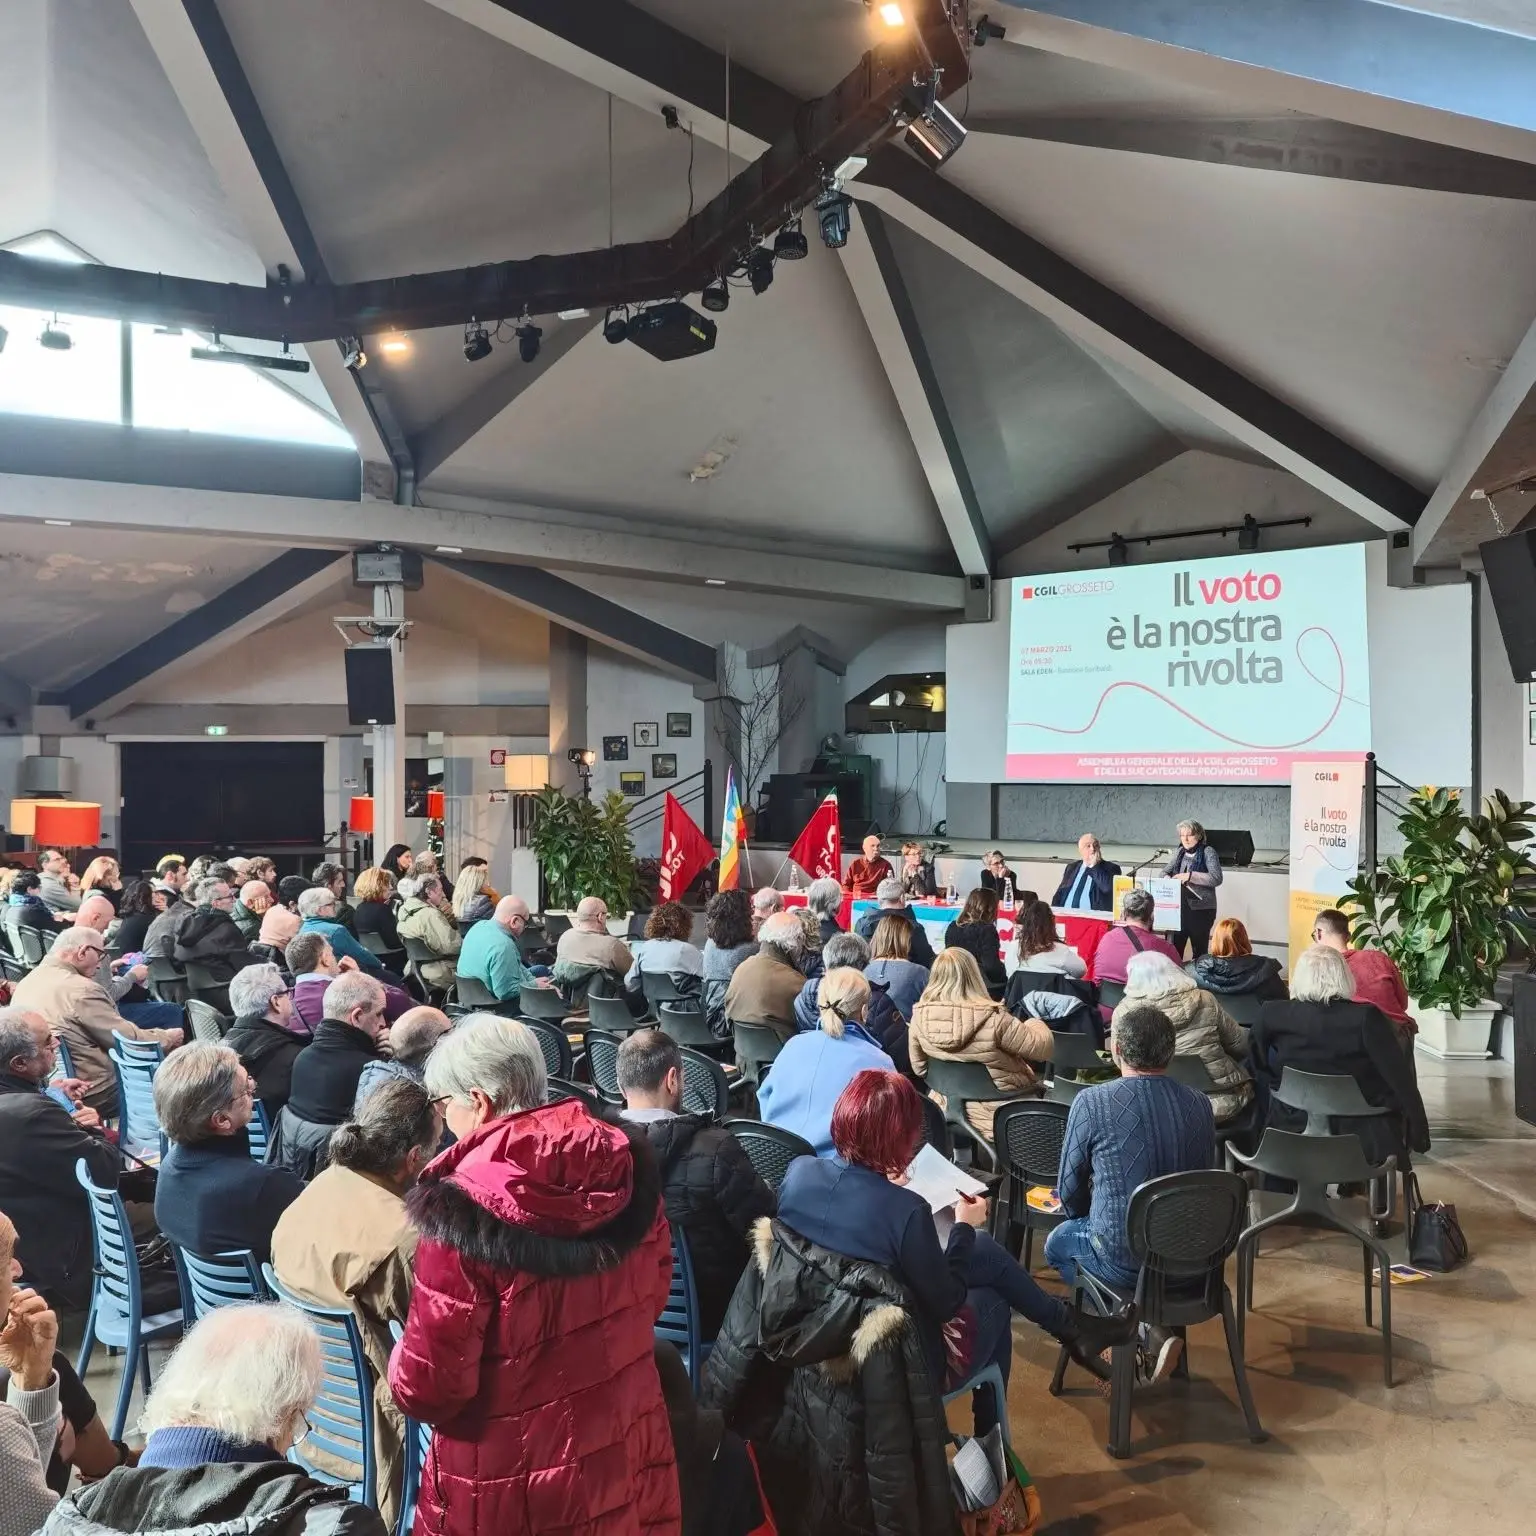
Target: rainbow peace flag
{"type": "Point", "coordinates": [733, 835]}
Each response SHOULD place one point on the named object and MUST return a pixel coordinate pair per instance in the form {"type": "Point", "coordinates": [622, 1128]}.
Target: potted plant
{"type": "Point", "coordinates": [584, 848]}
{"type": "Point", "coordinates": [1449, 909]}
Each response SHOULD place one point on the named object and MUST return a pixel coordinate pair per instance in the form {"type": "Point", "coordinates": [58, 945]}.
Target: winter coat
{"type": "Point", "coordinates": [719, 967]}
{"type": "Point", "coordinates": [243, 1498]}
{"type": "Point", "coordinates": [882, 1025]}
{"type": "Point", "coordinates": [212, 939]}
{"type": "Point", "coordinates": [211, 1197]}
{"type": "Point", "coordinates": [1226, 975]}
{"type": "Point", "coordinates": [321, 1096]}
{"type": "Point", "coordinates": [248, 922]}
{"type": "Point", "coordinates": [377, 917]}
{"type": "Point", "coordinates": [921, 951]}
{"type": "Point", "coordinates": [809, 1076]}
{"type": "Point", "coordinates": [1203, 1028]}
{"type": "Point", "coordinates": [714, 1194]}
{"type": "Point", "coordinates": [543, 1263]}
{"type": "Point", "coordinates": [421, 921]}
{"type": "Point", "coordinates": [267, 1051]}
{"type": "Point", "coordinates": [160, 936]}
{"type": "Point", "coordinates": [763, 990]}
{"type": "Point", "coordinates": [984, 1032]}
{"type": "Point", "coordinates": [821, 1366]}
{"type": "Point", "coordinates": [982, 940]}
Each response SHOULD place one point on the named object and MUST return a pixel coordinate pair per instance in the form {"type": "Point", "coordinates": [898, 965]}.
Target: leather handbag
{"type": "Point", "coordinates": [1436, 1241]}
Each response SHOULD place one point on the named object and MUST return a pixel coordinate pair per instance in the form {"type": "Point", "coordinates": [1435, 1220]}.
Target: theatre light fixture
{"type": "Point", "coordinates": [1247, 529]}
{"type": "Point", "coordinates": [55, 338]}
{"type": "Point", "coordinates": [936, 133]}
{"type": "Point", "coordinates": [528, 338]}
{"type": "Point", "coordinates": [1248, 534]}
{"type": "Point", "coordinates": [791, 244]}
{"type": "Point", "coordinates": [615, 326]}
{"type": "Point", "coordinates": [477, 342]}
{"type": "Point", "coordinates": [396, 346]}
{"type": "Point", "coordinates": [1119, 550]}
{"type": "Point", "coordinates": [834, 215]}
{"type": "Point", "coordinates": [715, 296]}
{"type": "Point", "coordinates": [760, 268]}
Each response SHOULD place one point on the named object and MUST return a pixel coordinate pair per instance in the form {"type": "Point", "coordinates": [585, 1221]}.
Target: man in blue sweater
{"type": "Point", "coordinates": [1119, 1135]}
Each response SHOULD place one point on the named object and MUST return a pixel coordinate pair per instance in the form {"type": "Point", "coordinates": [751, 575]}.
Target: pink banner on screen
{"type": "Point", "coordinates": [1166, 767]}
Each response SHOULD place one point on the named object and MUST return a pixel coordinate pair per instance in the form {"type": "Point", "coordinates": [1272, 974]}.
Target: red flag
{"type": "Point", "coordinates": [684, 850]}
{"type": "Point", "coordinates": [818, 849]}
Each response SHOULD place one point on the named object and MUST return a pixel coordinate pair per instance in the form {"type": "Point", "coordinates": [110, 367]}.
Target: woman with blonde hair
{"type": "Point", "coordinates": [814, 1067]}
{"type": "Point", "coordinates": [104, 876]}
{"type": "Point", "coordinates": [471, 904]}
{"type": "Point", "coordinates": [375, 910]}
{"type": "Point", "coordinates": [1201, 1027]}
{"type": "Point", "coordinates": [956, 1019]}
{"type": "Point", "coordinates": [891, 965]}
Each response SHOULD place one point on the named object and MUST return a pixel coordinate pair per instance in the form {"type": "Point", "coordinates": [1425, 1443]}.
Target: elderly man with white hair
{"type": "Point", "coordinates": [764, 986]}
{"type": "Point", "coordinates": [65, 991]}
{"type": "Point", "coordinates": [317, 911]}
{"type": "Point", "coordinates": [1089, 880]}
{"type": "Point", "coordinates": [891, 901]}
{"type": "Point", "coordinates": [587, 950]}
{"type": "Point", "coordinates": [411, 1039]}
{"type": "Point", "coordinates": [228, 1406]}
{"type": "Point", "coordinates": [825, 899]}
{"type": "Point", "coordinates": [765, 902]}
{"type": "Point", "coordinates": [267, 1034]}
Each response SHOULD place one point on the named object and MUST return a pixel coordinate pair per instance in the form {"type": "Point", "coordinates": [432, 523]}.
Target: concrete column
{"type": "Point", "coordinates": [389, 740]}
{"type": "Point", "coordinates": [722, 743]}
{"type": "Point", "coordinates": [567, 704]}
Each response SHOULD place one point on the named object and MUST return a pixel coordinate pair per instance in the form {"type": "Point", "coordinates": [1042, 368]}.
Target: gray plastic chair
{"type": "Point", "coordinates": [769, 1148]}
{"type": "Point", "coordinates": [542, 1003]}
{"type": "Point", "coordinates": [962, 1083]}
{"type": "Point", "coordinates": [603, 1063]}
{"type": "Point", "coordinates": [687, 1026]}
{"type": "Point", "coordinates": [1029, 1138]}
{"type": "Point", "coordinates": [559, 1059]}
{"type": "Point", "coordinates": [1324, 1096]}
{"type": "Point", "coordinates": [1241, 1007]}
{"type": "Point", "coordinates": [705, 1088]}
{"type": "Point", "coordinates": [1312, 1163]}
{"type": "Point", "coordinates": [612, 1014]}
{"type": "Point", "coordinates": [206, 1021]}
{"type": "Point", "coordinates": [1111, 994]}
{"type": "Point", "coordinates": [474, 996]}
{"type": "Point", "coordinates": [1072, 1054]}
{"type": "Point", "coordinates": [756, 1048]}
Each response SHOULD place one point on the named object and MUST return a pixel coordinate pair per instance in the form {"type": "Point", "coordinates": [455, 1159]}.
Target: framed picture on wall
{"type": "Point", "coordinates": [1531, 719]}
{"type": "Point", "coordinates": [1530, 694]}
{"type": "Point", "coordinates": [632, 784]}
{"type": "Point", "coordinates": [416, 787]}
{"type": "Point", "coordinates": [682, 725]}
{"type": "Point", "coordinates": [663, 765]}
{"type": "Point", "coordinates": [647, 733]}
{"type": "Point", "coordinates": [615, 749]}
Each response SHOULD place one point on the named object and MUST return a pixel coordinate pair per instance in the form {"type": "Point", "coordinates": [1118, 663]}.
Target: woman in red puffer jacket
{"type": "Point", "coordinates": [543, 1263]}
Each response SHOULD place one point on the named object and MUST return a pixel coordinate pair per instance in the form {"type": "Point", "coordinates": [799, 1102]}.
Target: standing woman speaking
{"type": "Point", "coordinates": [1195, 865]}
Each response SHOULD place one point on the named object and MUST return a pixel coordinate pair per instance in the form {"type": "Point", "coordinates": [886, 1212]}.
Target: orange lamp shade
{"type": "Point", "coordinates": [68, 823]}
{"type": "Point", "coordinates": [436, 804]}
{"type": "Point", "coordinates": [23, 817]}
{"type": "Point", "coordinates": [360, 813]}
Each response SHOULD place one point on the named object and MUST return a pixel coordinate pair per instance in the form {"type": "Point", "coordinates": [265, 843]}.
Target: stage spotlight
{"type": "Point", "coordinates": [834, 214]}
{"type": "Point", "coordinates": [892, 15]}
{"type": "Point", "coordinates": [353, 356]}
{"type": "Point", "coordinates": [528, 337]}
{"type": "Point", "coordinates": [396, 345]}
{"type": "Point", "coordinates": [1248, 534]}
{"type": "Point", "coordinates": [55, 338]}
{"type": "Point", "coordinates": [760, 269]}
{"type": "Point", "coordinates": [936, 134]}
{"type": "Point", "coordinates": [615, 327]}
{"type": "Point", "coordinates": [1119, 550]}
{"type": "Point", "coordinates": [984, 29]}
{"type": "Point", "coordinates": [716, 297]}
{"type": "Point", "coordinates": [791, 244]}
{"type": "Point", "coordinates": [477, 343]}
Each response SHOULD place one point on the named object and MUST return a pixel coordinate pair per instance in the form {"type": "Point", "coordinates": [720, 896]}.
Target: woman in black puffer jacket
{"type": "Point", "coordinates": [976, 930]}
{"type": "Point", "coordinates": [1230, 967]}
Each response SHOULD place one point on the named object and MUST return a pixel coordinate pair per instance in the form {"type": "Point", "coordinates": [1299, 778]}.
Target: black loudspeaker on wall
{"type": "Point", "coordinates": [1509, 568]}
{"type": "Point", "coordinates": [370, 685]}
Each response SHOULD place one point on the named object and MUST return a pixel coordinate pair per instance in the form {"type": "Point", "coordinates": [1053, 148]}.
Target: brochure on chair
{"type": "Point", "coordinates": [939, 1181]}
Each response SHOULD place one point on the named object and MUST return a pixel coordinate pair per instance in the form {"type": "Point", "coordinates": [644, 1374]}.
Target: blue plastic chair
{"type": "Point", "coordinates": [418, 1441]}
{"type": "Point", "coordinates": [138, 1050]}
{"type": "Point", "coordinates": [259, 1132]}
{"type": "Point", "coordinates": [221, 1280]}
{"type": "Point", "coordinates": [116, 1317]}
{"type": "Point", "coordinates": [138, 1125]}
{"type": "Point", "coordinates": [679, 1320]}
{"type": "Point", "coordinates": [66, 1061]}
{"type": "Point", "coordinates": [341, 1421]}
{"type": "Point", "coordinates": [992, 1377]}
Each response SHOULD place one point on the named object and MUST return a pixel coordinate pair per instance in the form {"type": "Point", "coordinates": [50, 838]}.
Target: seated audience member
{"type": "Point", "coordinates": [815, 1066]}
{"type": "Point", "coordinates": [1038, 946]}
{"type": "Point", "coordinates": [211, 938]}
{"type": "Point", "coordinates": [375, 911]}
{"type": "Point", "coordinates": [223, 1413]}
{"type": "Point", "coordinates": [105, 876]}
{"type": "Point", "coordinates": [279, 928]}
{"type": "Point", "coordinates": [426, 915]}
{"type": "Point", "coordinates": [867, 872]}
{"type": "Point", "coordinates": [425, 863]}
{"type": "Point", "coordinates": [1377, 978]}
{"type": "Point", "coordinates": [998, 878]}
{"type": "Point", "coordinates": [140, 905]}
{"type": "Point", "coordinates": [290, 888]}
{"type": "Point", "coordinates": [916, 873]}
{"type": "Point", "coordinates": [313, 965]}
{"type": "Point", "coordinates": [121, 980]}
{"type": "Point", "coordinates": [411, 1038]}
{"type": "Point", "coordinates": [765, 902]}
{"type": "Point", "coordinates": [65, 991]}
{"type": "Point", "coordinates": [810, 942]}
{"type": "Point", "coordinates": [83, 1445]}
{"type": "Point", "coordinates": [543, 1261]}
{"type": "Point", "coordinates": [491, 956]}
{"type": "Point", "coordinates": [958, 1020]}
{"type": "Point", "coordinates": [398, 860]}
{"type": "Point", "coordinates": [29, 1421]}
{"type": "Point", "coordinates": [254, 899]}
{"type": "Point", "coordinates": [1132, 935]}
{"type": "Point", "coordinates": [764, 986]}
{"type": "Point", "coordinates": [211, 1197]}
{"type": "Point", "coordinates": [317, 914]}
{"type": "Point", "coordinates": [825, 899]}
{"type": "Point", "coordinates": [332, 877]}
{"type": "Point", "coordinates": [728, 941]}
{"type": "Point", "coordinates": [668, 951]}
{"type": "Point", "coordinates": [267, 1034]}
{"type": "Point", "coordinates": [472, 902]}
{"type": "Point", "coordinates": [975, 930]}
{"type": "Point", "coordinates": [1118, 1136]}
{"type": "Point", "coordinates": [903, 978]}
{"type": "Point", "coordinates": [59, 889]}
{"type": "Point", "coordinates": [326, 1072]}
{"type": "Point", "coordinates": [859, 1247]}
{"type": "Point", "coordinates": [1326, 1028]}
{"type": "Point", "coordinates": [708, 1184]}
{"type": "Point", "coordinates": [40, 1143]}
{"type": "Point", "coordinates": [586, 950]}
{"type": "Point", "coordinates": [476, 862]}
{"type": "Point", "coordinates": [893, 903]}
{"type": "Point", "coordinates": [160, 937]}
{"type": "Point", "coordinates": [1201, 1027]}
{"type": "Point", "coordinates": [25, 908]}
{"type": "Point", "coordinates": [347, 1242]}
{"type": "Point", "coordinates": [1230, 968]}
{"type": "Point", "coordinates": [1088, 882]}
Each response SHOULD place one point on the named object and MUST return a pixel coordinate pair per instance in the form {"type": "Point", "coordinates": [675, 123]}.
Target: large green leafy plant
{"type": "Point", "coordinates": [584, 848]}
{"type": "Point", "coordinates": [1460, 896]}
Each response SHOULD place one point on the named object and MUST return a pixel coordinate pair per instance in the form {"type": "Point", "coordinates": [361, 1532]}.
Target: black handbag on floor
{"type": "Point", "coordinates": [1436, 1241]}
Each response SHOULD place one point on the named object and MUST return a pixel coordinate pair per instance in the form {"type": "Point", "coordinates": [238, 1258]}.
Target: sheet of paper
{"type": "Point", "coordinates": [938, 1180]}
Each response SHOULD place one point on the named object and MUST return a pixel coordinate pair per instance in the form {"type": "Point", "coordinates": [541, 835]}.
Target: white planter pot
{"type": "Point", "coordinates": [1448, 1038]}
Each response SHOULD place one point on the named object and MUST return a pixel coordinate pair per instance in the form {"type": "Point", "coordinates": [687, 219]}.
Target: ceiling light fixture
{"type": "Point", "coordinates": [791, 244]}
{"type": "Point", "coordinates": [58, 522]}
{"type": "Point", "coordinates": [984, 29]}
{"type": "Point", "coordinates": [892, 14]}
{"type": "Point", "coordinates": [716, 297]}
{"type": "Point", "coordinates": [835, 216]}
{"type": "Point", "coordinates": [760, 269]}
{"type": "Point", "coordinates": [572, 314]}
{"type": "Point", "coordinates": [477, 342]}
{"type": "Point", "coordinates": [615, 326]}
{"type": "Point", "coordinates": [353, 356]}
{"type": "Point", "coordinates": [1119, 550]}
{"type": "Point", "coordinates": [1248, 534]}
{"type": "Point", "coordinates": [448, 549]}
{"type": "Point", "coordinates": [55, 338]}
{"type": "Point", "coordinates": [713, 581]}
{"type": "Point", "coordinates": [261, 360]}
{"type": "Point", "coordinates": [936, 133]}
{"type": "Point", "coordinates": [396, 346]}
{"type": "Point", "coordinates": [528, 337]}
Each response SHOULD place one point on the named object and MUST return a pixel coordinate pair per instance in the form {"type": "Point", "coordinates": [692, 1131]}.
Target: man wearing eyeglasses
{"type": "Point", "coordinates": [65, 991]}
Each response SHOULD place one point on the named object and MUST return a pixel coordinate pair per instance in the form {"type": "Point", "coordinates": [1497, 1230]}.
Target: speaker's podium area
{"type": "Point", "coordinates": [569, 451]}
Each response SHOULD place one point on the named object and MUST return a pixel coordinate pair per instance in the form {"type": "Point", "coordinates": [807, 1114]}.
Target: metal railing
{"type": "Point", "coordinates": [693, 791]}
{"type": "Point", "coordinates": [1384, 791]}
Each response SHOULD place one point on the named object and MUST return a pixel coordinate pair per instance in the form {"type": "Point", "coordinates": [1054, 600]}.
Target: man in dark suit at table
{"type": "Point", "coordinates": [1088, 882]}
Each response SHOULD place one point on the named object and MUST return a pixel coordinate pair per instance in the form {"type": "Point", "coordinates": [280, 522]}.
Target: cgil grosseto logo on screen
{"type": "Point", "coordinates": [1066, 589]}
